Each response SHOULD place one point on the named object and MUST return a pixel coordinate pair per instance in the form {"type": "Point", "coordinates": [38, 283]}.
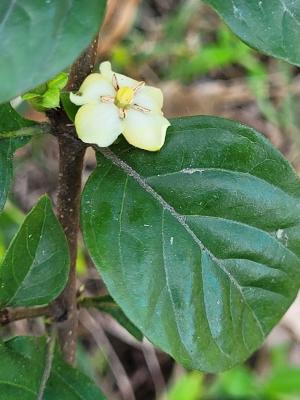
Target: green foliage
{"type": "Point", "coordinates": [280, 382]}
{"type": "Point", "coordinates": [270, 26]}
{"type": "Point", "coordinates": [69, 107]}
{"type": "Point", "coordinates": [35, 268]}
{"type": "Point", "coordinates": [225, 51]}
{"type": "Point", "coordinates": [41, 39]}
{"type": "Point", "coordinates": [47, 95]}
{"type": "Point", "coordinates": [198, 244]}
{"type": "Point", "coordinates": [22, 366]}
{"type": "Point", "coordinates": [188, 387]}
{"type": "Point", "coordinates": [203, 235]}
{"type": "Point", "coordinates": [10, 122]}
{"type": "Point", "coordinates": [10, 220]}
{"type": "Point", "coordinates": [239, 383]}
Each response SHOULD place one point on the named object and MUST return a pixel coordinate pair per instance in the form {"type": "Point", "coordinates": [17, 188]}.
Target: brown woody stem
{"type": "Point", "coordinates": [8, 315]}
{"type": "Point", "coordinates": [71, 155]}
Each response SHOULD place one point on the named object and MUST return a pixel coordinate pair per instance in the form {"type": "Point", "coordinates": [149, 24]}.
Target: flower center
{"type": "Point", "coordinates": [124, 97]}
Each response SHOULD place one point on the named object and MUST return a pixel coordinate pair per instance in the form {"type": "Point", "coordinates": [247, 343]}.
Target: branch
{"type": "Point", "coordinates": [83, 66]}
{"type": "Point", "coordinates": [9, 315]}
{"type": "Point", "coordinates": [71, 155]}
{"type": "Point", "coordinates": [35, 130]}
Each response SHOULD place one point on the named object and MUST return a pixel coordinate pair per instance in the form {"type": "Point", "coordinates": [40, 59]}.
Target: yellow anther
{"type": "Point", "coordinates": [124, 97]}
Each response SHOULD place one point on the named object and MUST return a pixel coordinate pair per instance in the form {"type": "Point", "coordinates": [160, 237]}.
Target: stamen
{"type": "Point", "coordinates": [122, 113]}
{"type": "Point", "coordinates": [115, 82]}
{"type": "Point", "coordinates": [140, 108]}
{"type": "Point", "coordinates": [107, 99]}
{"type": "Point", "coordinates": [139, 86]}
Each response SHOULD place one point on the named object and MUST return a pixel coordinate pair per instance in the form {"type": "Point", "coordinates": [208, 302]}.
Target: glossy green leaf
{"type": "Point", "coordinates": [198, 243]}
{"type": "Point", "coordinates": [41, 38]}
{"type": "Point", "coordinates": [21, 369]}
{"type": "Point", "coordinates": [35, 267]}
{"type": "Point", "coordinates": [10, 122]}
{"type": "Point", "coordinates": [271, 26]}
{"type": "Point", "coordinates": [107, 305]}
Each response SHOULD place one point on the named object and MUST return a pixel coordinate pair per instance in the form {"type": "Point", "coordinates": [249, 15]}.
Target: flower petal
{"type": "Point", "coordinates": [92, 88]}
{"type": "Point", "coordinates": [98, 123]}
{"type": "Point", "coordinates": [149, 97]}
{"type": "Point", "coordinates": [107, 73]}
{"type": "Point", "coordinates": [145, 130]}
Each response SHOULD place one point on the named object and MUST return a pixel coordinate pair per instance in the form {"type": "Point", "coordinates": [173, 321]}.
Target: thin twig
{"type": "Point", "coordinates": [115, 329]}
{"type": "Point", "coordinates": [48, 362]}
{"type": "Point", "coordinates": [155, 370]}
{"type": "Point", "coordinates": [35, 130]}
{"type": "Point", "coordinates": [8, 315]}
{"type": "Point", "coordinates": [97, 332]}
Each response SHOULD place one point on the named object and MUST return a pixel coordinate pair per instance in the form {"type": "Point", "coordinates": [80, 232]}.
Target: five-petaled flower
{"type": "Point", "coordinates": [112, 104]}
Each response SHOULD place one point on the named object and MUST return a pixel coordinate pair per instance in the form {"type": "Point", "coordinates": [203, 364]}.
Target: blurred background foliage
{"type": "Point", "coordinates": [202, 68]}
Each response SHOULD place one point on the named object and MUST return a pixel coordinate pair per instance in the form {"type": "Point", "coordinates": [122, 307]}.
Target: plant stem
{"type": "Point", "coordinates": [83, 66]}
{"type": "Point", "coordinates": [71, 155]}
{"type": "Point", "coordinates": [8, 315]}
{"type": "Point", "coordinates": [34, 130]}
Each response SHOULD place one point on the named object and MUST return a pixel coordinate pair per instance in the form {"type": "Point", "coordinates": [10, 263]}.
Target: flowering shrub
{"type": "Point", "coordinates": [193, 223]}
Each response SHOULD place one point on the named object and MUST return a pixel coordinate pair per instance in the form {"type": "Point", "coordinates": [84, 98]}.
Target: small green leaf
{"type": "Point", "coordinates": [21, 369]}
{"type": "Point", "coordinates": [10, 122]}
{"type": "Point", "coordinates": [198, 243]}
{"type": "Point", "coordinates": [107, 305]}
{"type": "Point", "coordinates": [41, 38]}
{"type": "Point", "coordinates": [35, 267]}
{"type": "Point", "coordinates": [59, 81]}
{"type": "Point", "coordinates": [271, 26]}
{"type": "Point", "coordinates": [47, 95]}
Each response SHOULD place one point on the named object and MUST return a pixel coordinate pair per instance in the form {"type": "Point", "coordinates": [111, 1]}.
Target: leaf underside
{"type": "Point", "coordinates": [41, 38]}
{"type": "Point", "coordinates": [271, 26]}
{"type": "Point", "coordinates": [198, 243]}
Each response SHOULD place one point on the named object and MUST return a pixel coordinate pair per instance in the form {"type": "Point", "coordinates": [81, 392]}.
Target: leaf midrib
{"type": "Point", "coordinates": [114, 159]}
{"type": "Point", "coordinates": [32, 262]}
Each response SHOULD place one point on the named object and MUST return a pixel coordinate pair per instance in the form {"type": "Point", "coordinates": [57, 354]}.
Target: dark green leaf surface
{"type": "Point", "coordinates": [271, 26]}
{"type": "Point", "coordinates": [35, 267]}
{"type": "Point", "coordinates": [107, 305]}
{"type": "Point", "coordinates": [41, 38]}
{"type": "Point", "coordinates": [198, 243]}
{"type": "Point", "coordinates": [10, 121]}
{"type": "Point", "coordinates": [21, 369]}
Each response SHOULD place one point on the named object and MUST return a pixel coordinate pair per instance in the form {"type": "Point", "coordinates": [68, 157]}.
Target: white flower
{"type": "Point", "coordinates": [112, 104]}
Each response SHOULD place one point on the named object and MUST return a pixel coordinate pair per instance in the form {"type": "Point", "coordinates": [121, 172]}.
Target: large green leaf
{"type": "Point", "coordinates": [271, 26]}
{"type": "Point", "coordinates": [21, 369]}
{"type": "Point", "coordinates": [10, 121]}
{"type": "Point", "coordinates": [41, 38]}
{"type": "Point", "coordinates": [199, 243]}
{"type": "Point", "coordinates": [35, 267]}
